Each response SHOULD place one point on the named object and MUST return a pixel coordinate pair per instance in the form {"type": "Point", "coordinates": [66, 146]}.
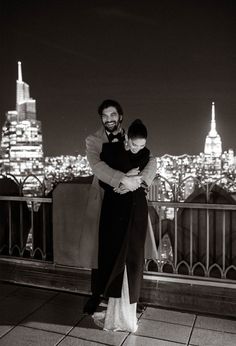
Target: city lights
{"type": "Point", "coordinates": [21, 155]}
{"type": "Point", "coordinates": [22, 144]}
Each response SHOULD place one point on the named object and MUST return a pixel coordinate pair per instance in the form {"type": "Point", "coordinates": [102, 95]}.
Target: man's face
{"type": "Point", "coordinates": [111, 119]}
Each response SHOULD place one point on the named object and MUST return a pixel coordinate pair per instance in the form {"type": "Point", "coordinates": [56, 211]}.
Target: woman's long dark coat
{"type": "Point", "coordinates": [123, 226]}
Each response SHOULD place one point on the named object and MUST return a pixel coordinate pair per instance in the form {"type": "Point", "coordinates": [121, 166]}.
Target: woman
{"type": "Point", "coordinates": [122, 233]}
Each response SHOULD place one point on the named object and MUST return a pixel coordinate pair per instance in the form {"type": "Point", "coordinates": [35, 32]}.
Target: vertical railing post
{"type": "Point", "coordinates": [32, 226]}
{"type": "Point", "coordinates": [176, 239]}
{"type": "Point", "coordinates": [208, 231]}
{"type": "Point", "coordinates": [191, 241]}
{"type": "Point", "coordinates": [207, 241]}
{"type": "Point", "coordinates": [223, 244]}
{"type": "Point", "coordinates": [10, 228]}
{"type": "Point", "coordinates": [44, 233]}
{"type": "Point", "coordinates": [160, 238]}
{"type": "Point", "coordinates": [21, 228]}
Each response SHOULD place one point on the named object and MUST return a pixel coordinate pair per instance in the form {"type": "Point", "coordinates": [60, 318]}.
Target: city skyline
{"type": "Point", "coordinates": [165, 63]}
{"type": "Point", "coordinates": [22, 155]}
{"type": "Point", "coordinates": [21, 143]}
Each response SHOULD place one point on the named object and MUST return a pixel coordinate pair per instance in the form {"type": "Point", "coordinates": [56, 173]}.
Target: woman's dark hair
{"type": "Point", "coordinates": [137, 130]}
{"type": "Point", "coordinates": [110, 103]}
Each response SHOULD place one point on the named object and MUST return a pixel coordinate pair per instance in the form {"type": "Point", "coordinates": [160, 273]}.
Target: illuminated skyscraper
{"type": "Point", "coordinates": [213, 144]}
{"type": "Point", "coordinates": [21, 144]}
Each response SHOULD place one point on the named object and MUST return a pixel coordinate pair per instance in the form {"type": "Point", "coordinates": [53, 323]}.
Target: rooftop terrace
{"type": "Point", "coordinates": [37, 317]}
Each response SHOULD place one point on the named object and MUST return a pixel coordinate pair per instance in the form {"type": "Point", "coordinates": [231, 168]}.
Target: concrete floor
{"type": "Point", "coordinates": [39, 317]}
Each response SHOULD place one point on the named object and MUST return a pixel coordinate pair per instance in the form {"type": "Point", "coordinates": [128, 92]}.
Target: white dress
{"type": "Point", "coordinates": [120, 314]}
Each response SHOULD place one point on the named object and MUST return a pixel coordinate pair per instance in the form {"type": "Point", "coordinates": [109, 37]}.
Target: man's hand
{"type": "Point", "coordinates": [121, 189]}
{"type": "Point", "coordinates": [131, 183]}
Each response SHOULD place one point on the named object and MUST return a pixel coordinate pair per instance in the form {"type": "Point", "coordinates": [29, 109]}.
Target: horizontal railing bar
{"type": "Point", "coordinates": [189, 280]}
{"type": "Point", "coordinates": [160, 204]}
{"type": "Point", "coordinates": [26, 199]}
{"type": "Point", "coordinates": [194, 205]}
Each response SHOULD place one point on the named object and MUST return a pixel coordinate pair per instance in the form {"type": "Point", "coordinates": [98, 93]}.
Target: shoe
{"type": "Point", "coordinates": [92, 304]}
{"type": "Point", "coordinates": [140, 308]}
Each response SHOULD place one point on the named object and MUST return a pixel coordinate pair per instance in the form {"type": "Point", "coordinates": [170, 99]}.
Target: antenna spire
{"type": "Point", "coordinates": [213, 120]}
{"type": "Point", "coordinates": [213, 111]}
{"type": "Point", "coordinates": [19, 72]}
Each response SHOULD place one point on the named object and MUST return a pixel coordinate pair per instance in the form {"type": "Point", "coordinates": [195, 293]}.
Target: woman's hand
{"type": "Point", "coordinates": [133, 171]}
{"type": "Point", "coordinates": [129, 183]}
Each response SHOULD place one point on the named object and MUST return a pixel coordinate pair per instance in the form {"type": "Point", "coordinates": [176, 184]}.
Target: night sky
{"type": "Point", "coordinates": [164, 61]}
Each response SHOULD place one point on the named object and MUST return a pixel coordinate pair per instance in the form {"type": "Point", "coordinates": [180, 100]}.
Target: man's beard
{"type": "Point", "coordinates": [112, 126]}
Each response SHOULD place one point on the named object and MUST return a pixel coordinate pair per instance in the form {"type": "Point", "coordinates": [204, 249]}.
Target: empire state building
{"type": "Point", "coordinates": [213, 144]}
{"type": "Point", "coordinates": [21, 143]}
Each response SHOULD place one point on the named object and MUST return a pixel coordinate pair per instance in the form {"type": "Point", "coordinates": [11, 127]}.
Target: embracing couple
{"type": "Point", "coordinates": [116, 218]}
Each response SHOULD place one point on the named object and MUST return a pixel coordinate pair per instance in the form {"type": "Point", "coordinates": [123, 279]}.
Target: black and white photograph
{"type": "Point", "coordinates": [117, 172]}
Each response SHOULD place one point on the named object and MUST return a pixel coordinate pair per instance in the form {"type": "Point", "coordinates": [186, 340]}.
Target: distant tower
{"type": "Point", "coordinates": [21, 144]}
{"type": "Point", "coordinates": [213, 144]}
{"type": "Point", "coordinates": [25, 105]}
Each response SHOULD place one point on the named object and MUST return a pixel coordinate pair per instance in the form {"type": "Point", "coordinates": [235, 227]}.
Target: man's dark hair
{"type": "Point", "coordinates": [137, 130]}
{"type": "Point", "coordinates": [110, 103]}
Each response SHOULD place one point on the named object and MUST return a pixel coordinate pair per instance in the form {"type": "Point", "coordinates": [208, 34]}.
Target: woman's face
{"type": "Point", "coordinates": [136, 144]}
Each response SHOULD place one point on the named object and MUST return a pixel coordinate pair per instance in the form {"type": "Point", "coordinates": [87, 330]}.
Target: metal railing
{"type": "Point", "coordinates": [191, 241]}
{"type": "Point", "coordinates": [26, 227]}
{"type": "Point", "coordinates": [195, 240]}
{"type": "Point", "coordinates": [25, 219]}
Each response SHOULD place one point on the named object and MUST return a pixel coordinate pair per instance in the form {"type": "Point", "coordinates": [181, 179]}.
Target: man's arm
{"type": "Point", "coordinates": [102, 171]}
{"type": "Point", "coordinates": [149, 171]}
{"type": "Point", "coordinates": [147, 175]}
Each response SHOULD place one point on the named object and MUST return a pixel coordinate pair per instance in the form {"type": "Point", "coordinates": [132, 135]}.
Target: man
{"type": "Point", "coordinates": [111, 115]}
